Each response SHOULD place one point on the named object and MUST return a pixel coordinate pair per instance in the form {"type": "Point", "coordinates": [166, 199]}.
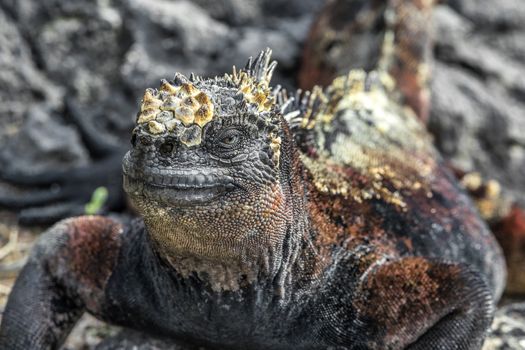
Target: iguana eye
{"type": "Point", "coordinates": [230, 138]}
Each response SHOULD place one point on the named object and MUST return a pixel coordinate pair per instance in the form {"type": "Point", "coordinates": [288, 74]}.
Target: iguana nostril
{"type": "Point", "coordinates": [144, 140]}
{"type": "Point", "coordinates": [166, 148]}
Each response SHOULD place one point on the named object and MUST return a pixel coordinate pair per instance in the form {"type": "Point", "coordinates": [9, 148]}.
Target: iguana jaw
{"type": "Point", "coordinates": [178, 195]}
{"type": "Point", "coordinates": [176, 188]}
{"type": "Point", "coordinates": [237, 233]}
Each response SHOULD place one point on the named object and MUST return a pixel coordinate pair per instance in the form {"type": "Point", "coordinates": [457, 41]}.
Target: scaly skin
{"type": "Point", "coordinates": [323, 220]}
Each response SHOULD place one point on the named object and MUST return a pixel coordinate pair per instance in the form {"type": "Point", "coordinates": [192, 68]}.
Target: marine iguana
{"type": "Point", "coordinates": [317, 220]}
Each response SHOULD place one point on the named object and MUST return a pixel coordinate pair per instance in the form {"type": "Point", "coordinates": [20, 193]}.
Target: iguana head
{"type": "Point", "coordinates": [205, 165]}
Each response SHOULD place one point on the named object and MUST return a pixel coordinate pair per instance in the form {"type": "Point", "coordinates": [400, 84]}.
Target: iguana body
{"type": "Point", "coordinates": [321, 221]}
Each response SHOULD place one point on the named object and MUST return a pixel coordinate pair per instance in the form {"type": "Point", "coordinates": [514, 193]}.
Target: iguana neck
{"type": "Point", "coordinates": [272, 250]}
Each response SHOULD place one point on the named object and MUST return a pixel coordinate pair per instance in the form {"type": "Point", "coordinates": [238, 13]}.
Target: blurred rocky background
{"type": "Point", "coordinates": [99, 55]}
{"type": "Point", "coordinates": [478, 89]}
{"type": "Point", "coordinates": [72, 74]}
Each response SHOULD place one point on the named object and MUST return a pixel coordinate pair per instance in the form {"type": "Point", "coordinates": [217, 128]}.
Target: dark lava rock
{"type": "Point", "coordinates": [22, 84]}
{"type": "Point", "coordinates": [43, 143]}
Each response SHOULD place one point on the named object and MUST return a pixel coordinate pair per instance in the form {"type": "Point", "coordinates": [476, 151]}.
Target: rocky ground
{"type": "Point", "coordinates": [94, 58]}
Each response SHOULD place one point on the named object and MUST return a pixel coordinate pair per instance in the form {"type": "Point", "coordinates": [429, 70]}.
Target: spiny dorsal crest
{"type": "Point", "coordinates": [303, 110]}
{"type": "Point", "coordinates": [261, 69]}
{"type": "Point", "coordinates": [254, 80]}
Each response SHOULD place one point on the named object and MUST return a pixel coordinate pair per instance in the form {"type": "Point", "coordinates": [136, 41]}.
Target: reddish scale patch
{"type": "Point", "coordinates": [87, 257]}
{"type": "Point", "coordinates": [342, 222]}
{"type": "Point", "coordinates": [419, 294]}
{"type": "Point", "coordinates": [92, 249]}
{"type": "Point", "coordinates": [276, 204]}
{"type": "Point", "coordinates": [356, 178]}
{"type": "Point", "coordinates": [409, 246]}
{"type": "Point", "coordinates": [329, 234]}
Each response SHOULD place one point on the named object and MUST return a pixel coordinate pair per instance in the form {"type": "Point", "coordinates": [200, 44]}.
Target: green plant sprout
{"type": "Point", "coordinates": [98, 198]}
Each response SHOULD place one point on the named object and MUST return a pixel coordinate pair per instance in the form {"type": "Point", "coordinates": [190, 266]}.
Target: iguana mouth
{"type": "Point", "coordinates": [177, 187]}
{"type": "Point", "coordinates": [178, 191]}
